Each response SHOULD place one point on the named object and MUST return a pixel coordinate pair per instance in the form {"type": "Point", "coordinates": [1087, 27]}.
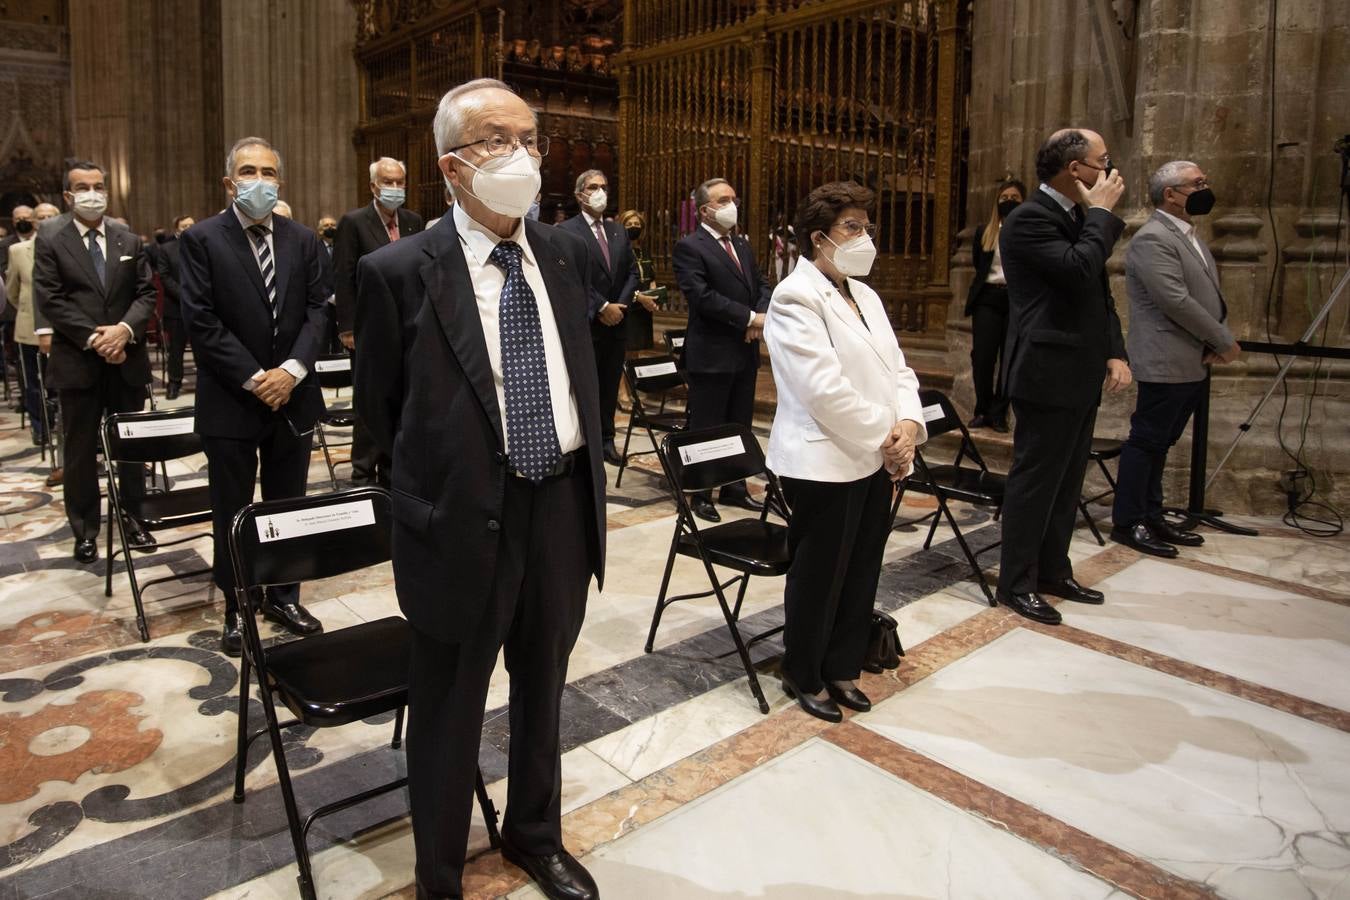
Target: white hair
{"type": "Point", "coordinates": [452, 112]}
{"type": "Point", "coordinates": [387, 159]}
{"type": "Point", "coordinates": [249, 142]}
{"type": "Point", "coordinates": [1167, 176]}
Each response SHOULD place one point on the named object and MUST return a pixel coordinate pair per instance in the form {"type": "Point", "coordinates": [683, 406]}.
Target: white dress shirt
{"type": "Point", "coordinates": [487, 280]}
{"type": "Point", "coordinates": [1188, 232]}
{"type": "Point", "coordinates": [996, 275]}
{"type": "Point", "coordinates": [727, 237]}
{"type": "Point", "coordinates": [293, 366]}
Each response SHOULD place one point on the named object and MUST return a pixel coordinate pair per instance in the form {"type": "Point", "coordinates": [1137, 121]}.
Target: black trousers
{"type": "Point", "coordinates": [537, 605]}
{"type": "Point", "coordinates": [722, 398]}
{"type": "Point", "coordinates": [82, 411]}
{"type": "Point", "coordinates": [369, 464]}
{"type": "Point", "coordinates": [609, 350]}
{"type": "Point", "coordinates": [232, 467]}
{"type": "Point", "coordinates": [1161, 412]}
{"type": "Point", "coordinates": [30, 359]}
{"type": "Point", "coordinates": [178, 341]}
{"type": "Point", "coordinates": [837, 538]}
{"type": "Point", "coordinates": [1045, 484]}
{"type": "Point", "coordinates": [988, 328]}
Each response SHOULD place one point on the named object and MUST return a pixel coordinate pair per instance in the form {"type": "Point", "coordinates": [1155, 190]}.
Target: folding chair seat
{"type": "Point", "coordinates": [334, 370]}
{"type": "Point", "coordinates": [1102, 449]}
{"type": "Point", "coordinates": [328, 679]}
{"type": "Point", "coordinates": [703, 460]}
{"type": "Point", "coordinates": [977, 485]}
{"type": "Point", "coordinates": [153, 437]}
{"type": "Point", "coordinates": [650, 375]}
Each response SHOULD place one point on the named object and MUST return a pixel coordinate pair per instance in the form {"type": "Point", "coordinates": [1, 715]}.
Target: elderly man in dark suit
{"type": "Point", "coordinates": [95, 292]}
{"type": "Point", "coordinates": [475, 371]}
{"type": "Point", "coordinates": [169, 265]}
{"type": "Point", "coordinates": [254, 291]}
{"type": "Point", "coordinates": [728, 297]}
{"type": "Point", "coordinates": [1064, 344]}
{"type": "Point", "coordinates": [613, 280]}
{"type": "Point", "coordinates": [1177, 329]}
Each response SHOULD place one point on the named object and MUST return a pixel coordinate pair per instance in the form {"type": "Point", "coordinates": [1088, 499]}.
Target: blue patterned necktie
{"type": "Point", "coordinates": [96, 255]}
{"type": "Point", "coordinates": [531, 437]}
{"type": "Point", "coordinates": [265, 266]}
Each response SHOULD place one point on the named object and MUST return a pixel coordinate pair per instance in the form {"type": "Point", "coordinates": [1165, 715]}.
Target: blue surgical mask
{"type": "Point", "coordinates": [256, 198]}
{"type": "Point", "coordinates": [533, 211]}
{"type": "Point", "coordinates": [392, 198]}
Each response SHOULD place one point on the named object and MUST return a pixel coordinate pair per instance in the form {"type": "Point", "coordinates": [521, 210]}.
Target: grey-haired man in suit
{"type": "Point", "coordinates": [1177, 330]}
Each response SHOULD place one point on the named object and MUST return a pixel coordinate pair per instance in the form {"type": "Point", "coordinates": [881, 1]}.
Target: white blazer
{"type": "Point", "coordinates": [842, 385]}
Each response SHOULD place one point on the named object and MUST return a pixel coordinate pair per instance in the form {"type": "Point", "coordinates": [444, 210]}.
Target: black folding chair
{"type": "Point", "coordinates": [334, 371]}
{"type": "Point", "coordinates": [332, 678]}
{"type": "Point", "coordinates": [153, 437]}
{"type": "Point", "coordinates": [650, 375]}
{"type": "Point", "coordinates": [977, 486]}
{"type": "Point", "coordinates": [674, 338]}
{"type": "Point", "coordinates": [702, 460]}
{"type": "Point", "coordinates": [1102, 449]}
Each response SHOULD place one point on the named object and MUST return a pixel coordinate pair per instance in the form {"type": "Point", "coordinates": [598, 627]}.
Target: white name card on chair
{"type": "Point", "coordinates": [305, 522]}
{"type": "Point", "coordinates": [707, 451]}
{"type": "Point", "coordinates": [932, 413]}
{"type": "Point", "coordinates": [665, 368]}
{"type": "Point", "coordinates": [333, 365]}
{"type": "Point", "coordinates": [677, 343]}
{"type": "Point", "coordinates": [156, 428]}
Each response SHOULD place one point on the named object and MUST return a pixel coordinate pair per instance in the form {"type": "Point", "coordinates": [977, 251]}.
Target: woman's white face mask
{"type": "Point", "coordinates": [854, 257]}
{"type": "Point", "coordinates": [507, 185]}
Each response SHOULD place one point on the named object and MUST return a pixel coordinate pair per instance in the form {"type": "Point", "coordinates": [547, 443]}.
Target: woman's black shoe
{"type": "Point", "coordinates": [851, 698]}
{"type": "Point", "coordinates": [821, 709]}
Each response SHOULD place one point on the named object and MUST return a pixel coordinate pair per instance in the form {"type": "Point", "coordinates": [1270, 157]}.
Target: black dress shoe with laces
{"type": "Point", "coordinates": [86, 551]}
{"type": "Point", "coordinates": [138, 538]}
{"type": "Point", "coordinates": [558, 875]}
{"type": "Point", "coordinates": [1165, 531]}
{"type": "Point", "coordinates": [231, 637]}
{"type": "Point", "coordinates": [291, 616]}
{"type": "Point", "coordinates": [744, 501]}
{"type": "Point", "coordinates": [704, 509]}
{"type": "Point", "coordinates": [172, 391]}
{"type": "Point", "coordinates": [849, 698]}
{"type": "Point", "coordinates": [1070, 590]}
{"type": "Point", "coordinates": [821, 709]}
{"type": "Point", "coordinates": [1141, 538]}
{"type": "Point", "coordinates": [1031, 606]}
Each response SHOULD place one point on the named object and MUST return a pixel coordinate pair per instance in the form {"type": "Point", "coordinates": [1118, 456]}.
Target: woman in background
{"type": "Point", "coordinates": [987, 305]}
{"type": "Point", "coordinates": [638, 319]}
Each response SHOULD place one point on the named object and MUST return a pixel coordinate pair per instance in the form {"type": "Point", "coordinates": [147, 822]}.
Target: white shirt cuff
{"type": "Point", "coordinates": [252, 383]}
{"type": "Point", "coordinates": [131, 332]}
{"type": "Point", "coordinates": [296, 368]}
{"type": "Point", "coordinates": [42, 331]}
{"type": "Point", "coordinates": [752, 319]}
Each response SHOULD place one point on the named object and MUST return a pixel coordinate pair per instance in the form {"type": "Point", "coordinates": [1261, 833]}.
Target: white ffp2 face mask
{"type": "Point", "coordinates": [597, 202]}
{"type": "Point", "coordinates": [726, 215]}
{"type": "Point", "coordinates": [854, 258]}
{"type": "Point", "coordinates": [507, 185]}
{"type": "Point", "coordinates": [90, 204]}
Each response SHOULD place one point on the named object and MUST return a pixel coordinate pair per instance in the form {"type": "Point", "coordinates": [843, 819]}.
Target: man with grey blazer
{"type": "Point", "coordinates": [1177, 329]}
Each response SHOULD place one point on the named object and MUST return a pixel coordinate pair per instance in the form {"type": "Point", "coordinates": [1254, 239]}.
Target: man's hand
{"type": "Point", "coordinates": [1224, 356]}
{"type": "Point", "coordinates": [45, 344]}
{"type": "Point", "coordinates": [646, 301]}
{"type": "Point", "coordinates": [110, 340]}
{"type": "Point", "coordinates": [898, 448]}
{"type": "Point", "coordinates": [611, 315]}
{"type": "Point", "coordinates": [275, 388]}
{"type": "Point", "coordinates": [1117, 375]}
{"type": "Point", "coordinates": [117, 358]}
{"type": "Point", "coordinates": [1106, 193]}
{"type": "Point", "coordinates": [348, 340]}
{"type": "Point", "coordinates": [756, 329]}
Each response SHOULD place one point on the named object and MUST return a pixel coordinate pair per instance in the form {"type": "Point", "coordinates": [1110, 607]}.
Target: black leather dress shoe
{"type": "Point", "coordinates": [821, 709]}
{"type": "Point", "coordinates": [1165, 531]}
{"type": "Point", "coordinates": [744, 501]}
{"type": "Point", "coordinates": [1032, 607]}
{"type": "Point", "coordinates": [231, 637]}
{"type": "Point", "coordinates": [559, 875]}
{"type": "Point", "coordinates": [1141, 538]}
{"type": "Point", "coordinates": [704, 509]}
{"type": "Point", "coordinates": [172, 391]}
{"type": "Point", "coordinates": [852, 698]}
{"type": "Point", "coordinates": [138, 538]}
{"type": "Point", "coordinates": [292, 616]}
{"type": "Point", "coordinates": [612, 454]}
{"type": "Point", "coordinates": [1070, 590]}
{"type": "Point", "coordinates": [86, 551]}
{"type": "Point", "coordinates": [978, 422]}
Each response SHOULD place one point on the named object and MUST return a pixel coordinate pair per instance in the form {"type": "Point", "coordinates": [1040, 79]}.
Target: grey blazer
{"type": "Point", "coordinates": [1177, 310]}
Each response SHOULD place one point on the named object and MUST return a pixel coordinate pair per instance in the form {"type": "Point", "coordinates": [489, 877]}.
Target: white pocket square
{"type": "Point", "coordinates": [124, 259]}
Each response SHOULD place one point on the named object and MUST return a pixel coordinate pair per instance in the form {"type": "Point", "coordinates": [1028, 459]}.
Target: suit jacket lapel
{"type": "Point", "coordinates": [375, 226]}
{"type": "Point", "coordinates": [445, 278]}
{"type": "Point", "coordinates": [718, 250]}
{"type": "Point", "coordinates": [1202, 257]}
{"type": "Point", "coordinates": [243, 249]}
{"type": "Point", "coordinates": [285, 250]}
{"type": "Point", "coordinates": [553, 268]}
{"type": "Point", "coordinates": [116, 243]}
{"type": "Point", "coordinates": [80, 250]}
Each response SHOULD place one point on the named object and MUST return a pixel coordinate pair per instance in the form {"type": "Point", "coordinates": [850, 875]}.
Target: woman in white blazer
{"type": "Point", "coordinates": [847, 422]}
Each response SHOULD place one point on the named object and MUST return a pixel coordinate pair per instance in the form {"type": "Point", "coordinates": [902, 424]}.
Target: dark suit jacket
{"type": "Point", "coordinates": [425, 387]}
{"type": "Point", "coordinates": [982, 259]}
{"type": "Point", "coordinates": [229, 322]}
{"type": "Point", "coordinates": [74, 301]}
{"type": "Point", "coordinates": [615, 284]}
{"type": "Point", "coordinates": [359, 232]}
{"type": "Point", "coordinates": [721, 298]}
{"type": "Point", "coordinates": [168, 262]}
{"type": "Point", "coordinates": [1062, 322]}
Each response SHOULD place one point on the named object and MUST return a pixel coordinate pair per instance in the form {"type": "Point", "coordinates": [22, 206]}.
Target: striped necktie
{"type": "Point", "coordinates": [269, 271]}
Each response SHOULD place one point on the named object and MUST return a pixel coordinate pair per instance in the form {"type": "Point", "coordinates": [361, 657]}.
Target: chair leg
{"type": "Point", "coordinates": [398, 729]}
{"type": "Point", "coordinates": [661, 597]}
{"type": "Point", "coordinates": [965, 548]}
{"type": "Point", "coordinates": [489, 812]}
{"type": "Point", "coordinates": [306, 877]}
{"type": "Point", "coordinates": [741, 650]}
{"type": "Point", "coordinates": [241, 750]}
{"type": "Point", "coordinates": [932, 529]}
{"type": "Point", "coordinates": [1092, 526]}
{"type": "Point", "coordinates": [740, 597]}
{"type": "Point", "coordinates": [327, 457]}
{"type": "Point", "coordinates": [628, 436]}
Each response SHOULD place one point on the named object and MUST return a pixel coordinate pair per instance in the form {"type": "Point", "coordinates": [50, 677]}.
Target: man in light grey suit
{"type": "Point", "coordinates": [1177, 329]}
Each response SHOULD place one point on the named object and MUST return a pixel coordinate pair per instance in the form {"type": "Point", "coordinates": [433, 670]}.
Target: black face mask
{"type": "Point", "coordinates": [23, 226]}
{"type": "Point", "coordinates": [1006, 206]}
{"type": "Point", "coordinates": [329, 232]}
{"type": "Point", "coordinates": [633, 233]}
{"type": "Point", "coordinates": [1200, 202]}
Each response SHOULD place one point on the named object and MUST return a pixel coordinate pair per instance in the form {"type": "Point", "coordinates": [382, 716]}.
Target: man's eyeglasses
{"type": "Point", "coordinates": [853, 228]}
{"type": "Point", "coordinates": [500, 145]}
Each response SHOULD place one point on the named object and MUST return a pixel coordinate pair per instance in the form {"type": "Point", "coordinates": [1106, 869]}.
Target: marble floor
{"type": "Point", "coordinates": [1190, 738]}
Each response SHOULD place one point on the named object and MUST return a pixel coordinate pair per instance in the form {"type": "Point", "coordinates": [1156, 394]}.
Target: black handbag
{"type": "Point", "coordinates": [883, 644]}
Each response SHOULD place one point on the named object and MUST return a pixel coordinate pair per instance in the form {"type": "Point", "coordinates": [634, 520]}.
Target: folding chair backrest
{"type": "Point", "coordinates": [939, 415]}
{"type": "Point", "coordinates": [653, 374]}
{"type": "Point", "coordinates": [334, 370]}
{"type": "Point", "coordinates": [151, 437]}
{"type": "Point", "coordinates": [711, 457]}
{"type": "Point", "coordinates": [308, 538]}
{"type": "Point", "coordinates": [674, 338]}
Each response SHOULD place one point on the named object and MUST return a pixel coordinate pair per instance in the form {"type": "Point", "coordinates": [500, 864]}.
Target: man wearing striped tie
{"type": "Point", "coordinates": [255, 288]}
